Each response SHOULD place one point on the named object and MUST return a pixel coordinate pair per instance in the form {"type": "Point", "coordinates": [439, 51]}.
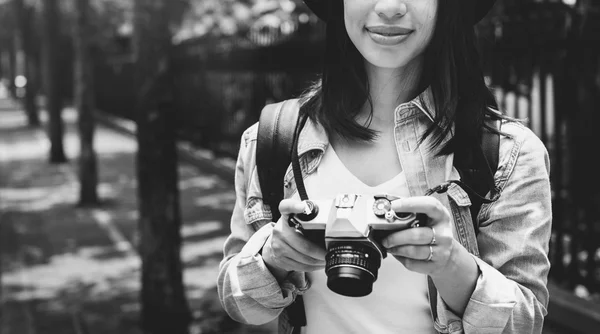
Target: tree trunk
{"type": "Point", "coordinates": [52, 80]}
{"type": "Point", "coordinates": [164, 305]}
{"type": "Point", "coordinates": [4, 62]}
{"type": "Point", "coordinates": [25, 17]}
{"type": "Point", "coordinates": [11, 69]}
{"type": "Point", "coordinates": [84, 102]}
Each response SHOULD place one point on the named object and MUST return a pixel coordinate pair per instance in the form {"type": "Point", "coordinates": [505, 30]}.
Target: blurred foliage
{"type": "Point", "coordinates": [108, 18]}
{"type": "Point", "coordinates": [239, 17]}
{"type": "Point", "coordinates": [112, 20]}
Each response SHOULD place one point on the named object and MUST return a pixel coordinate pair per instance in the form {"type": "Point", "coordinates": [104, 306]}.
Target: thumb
{"type": "Point", "coordinates": [292, 206]}
{"type": "Point", "coordinates": [287, 208]}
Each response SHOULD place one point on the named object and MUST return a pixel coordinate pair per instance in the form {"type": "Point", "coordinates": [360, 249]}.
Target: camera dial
{"type": "Point", "coordinates": [381, 206]}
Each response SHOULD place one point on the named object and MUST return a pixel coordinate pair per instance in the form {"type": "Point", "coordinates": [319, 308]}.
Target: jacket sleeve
{"type": "Point", "coordinates": [248, 291]}
{"type": "Point", "coordinates": [511, 294]}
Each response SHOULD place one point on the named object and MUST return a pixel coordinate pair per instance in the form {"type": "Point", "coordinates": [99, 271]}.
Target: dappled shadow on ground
{"type": "Point", "coordinates": [68, 269]}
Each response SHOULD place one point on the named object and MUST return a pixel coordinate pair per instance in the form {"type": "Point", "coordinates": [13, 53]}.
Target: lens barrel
{"type": "Point", "coordinates": [351, 269]}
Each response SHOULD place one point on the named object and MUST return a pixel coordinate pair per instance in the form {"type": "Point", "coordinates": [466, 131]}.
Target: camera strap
{"type": "Point", "coordinates": [296, 160]}
{"type": "Point", "coordinates": [275, 142]}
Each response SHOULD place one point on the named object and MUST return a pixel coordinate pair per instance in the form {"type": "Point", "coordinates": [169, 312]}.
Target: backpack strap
{"type": "Point", "coordinates": [275, 139]}
{"type": "Point", "coordinates": [276, 127]}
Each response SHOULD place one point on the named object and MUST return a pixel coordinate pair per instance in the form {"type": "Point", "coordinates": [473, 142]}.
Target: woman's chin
{"type": "Point", "coordinates": [391, 64]}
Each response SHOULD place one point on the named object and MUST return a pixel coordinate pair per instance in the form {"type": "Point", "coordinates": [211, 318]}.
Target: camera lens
{"type": "Point", "coordinates": [351, 269]}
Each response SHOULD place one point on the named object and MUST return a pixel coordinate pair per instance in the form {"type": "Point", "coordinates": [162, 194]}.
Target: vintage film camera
{"type": "Point", "coordinates": [351, 228]}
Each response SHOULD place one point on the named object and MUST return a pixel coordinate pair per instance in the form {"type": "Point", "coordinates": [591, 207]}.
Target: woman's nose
{"type": "Point", "coordinates": [391, 9]}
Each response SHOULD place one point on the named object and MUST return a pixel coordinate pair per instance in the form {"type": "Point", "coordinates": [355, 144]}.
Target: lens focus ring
{"type": "Point", "coordinates": [356, 255]}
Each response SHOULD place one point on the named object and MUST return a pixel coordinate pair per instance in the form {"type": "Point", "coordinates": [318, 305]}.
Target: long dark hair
{"type": "Point", "coordinates": [452, 70]}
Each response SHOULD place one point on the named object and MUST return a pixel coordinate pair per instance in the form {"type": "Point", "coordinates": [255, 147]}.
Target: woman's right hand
{"type": "Point", "coordinates": [287, 249]}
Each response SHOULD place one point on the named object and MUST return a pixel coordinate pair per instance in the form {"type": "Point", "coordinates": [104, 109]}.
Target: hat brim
{"type": "Point", "coordinates": [478, 9]}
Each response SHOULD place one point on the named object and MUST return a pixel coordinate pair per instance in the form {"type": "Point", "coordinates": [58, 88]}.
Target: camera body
{"type": "Point", "coordinates": [351, 227]}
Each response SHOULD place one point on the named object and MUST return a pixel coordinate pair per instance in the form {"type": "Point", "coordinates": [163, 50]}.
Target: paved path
{"type": "Point", "coordinates": [71, 270]}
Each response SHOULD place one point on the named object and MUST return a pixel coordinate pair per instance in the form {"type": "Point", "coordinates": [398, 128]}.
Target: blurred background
{"type": "Point", "coordinates": [120, 123]}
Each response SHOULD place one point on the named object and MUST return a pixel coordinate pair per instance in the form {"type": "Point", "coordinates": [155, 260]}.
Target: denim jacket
{"type": "Point", "coordinates": [510, 249]}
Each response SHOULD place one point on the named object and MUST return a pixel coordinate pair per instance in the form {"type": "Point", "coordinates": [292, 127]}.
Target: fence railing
{"type": "Point", "coordinates": [545, 71]}
{"type": "Point", "coordinates": [539, 63]}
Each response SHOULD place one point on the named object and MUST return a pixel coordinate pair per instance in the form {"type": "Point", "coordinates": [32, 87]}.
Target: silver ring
{"type": "Point", "coordinates": [430, 254]}
{"type": "Point", "coordinates": [432, 242]}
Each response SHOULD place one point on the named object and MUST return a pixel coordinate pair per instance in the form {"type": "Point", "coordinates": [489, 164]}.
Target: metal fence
{"type": "Point", "coordinates": [545, 68]}
{"type": "Point", "coordinates": [539, 61]}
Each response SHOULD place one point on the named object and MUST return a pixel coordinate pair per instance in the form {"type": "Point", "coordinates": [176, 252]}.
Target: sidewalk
{"type": "Point", "coordinates": [71, 270]}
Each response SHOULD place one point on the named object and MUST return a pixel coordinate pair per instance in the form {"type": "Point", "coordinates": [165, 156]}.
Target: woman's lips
{"type": "Point", "coordinates": [388, 35]}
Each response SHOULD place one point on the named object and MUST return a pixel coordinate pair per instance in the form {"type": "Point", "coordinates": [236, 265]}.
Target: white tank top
{"type": "Point", "coordinates": [398, 302]}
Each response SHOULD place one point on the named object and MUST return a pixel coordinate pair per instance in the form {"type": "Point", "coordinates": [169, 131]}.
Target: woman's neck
{"type": "Point", "coordinates": [388, 88]}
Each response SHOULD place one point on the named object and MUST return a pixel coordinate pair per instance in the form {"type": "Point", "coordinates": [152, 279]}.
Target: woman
{"type": "Point", "coordinates": [401, 91]}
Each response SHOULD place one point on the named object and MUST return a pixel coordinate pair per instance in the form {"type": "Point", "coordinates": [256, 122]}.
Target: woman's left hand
{"type": "Point", "coordinates": [427, 249]}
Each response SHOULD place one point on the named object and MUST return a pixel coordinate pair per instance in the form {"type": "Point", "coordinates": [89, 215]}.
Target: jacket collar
{"type": "Point", "coordinates": [314, 137]}
{"type": "Point", "coordinates": [424, 102]}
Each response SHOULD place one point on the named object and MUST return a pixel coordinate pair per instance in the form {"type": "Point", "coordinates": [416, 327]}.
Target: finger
{"type": "Point", "coordinates": [428, 205]}
{"type": "Point", "coordinates": [411, 236]}
{"type": "Point", "coordinates": [291, 264]}
{"type": "Point", "coordinates": [305, 248]}
{"type": "Point", "coordinates": [288, 207]}
{"type": "Point", "coordinates": [412, 252]}
{"type": "Point", "coordinates": [292, 206]}
{"type": "Point", "coordinates": [297, 242]}
{"type": "Point", "coordinates": [304, 256]}
{"type": "Point", "coordinates": [418, 266]}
